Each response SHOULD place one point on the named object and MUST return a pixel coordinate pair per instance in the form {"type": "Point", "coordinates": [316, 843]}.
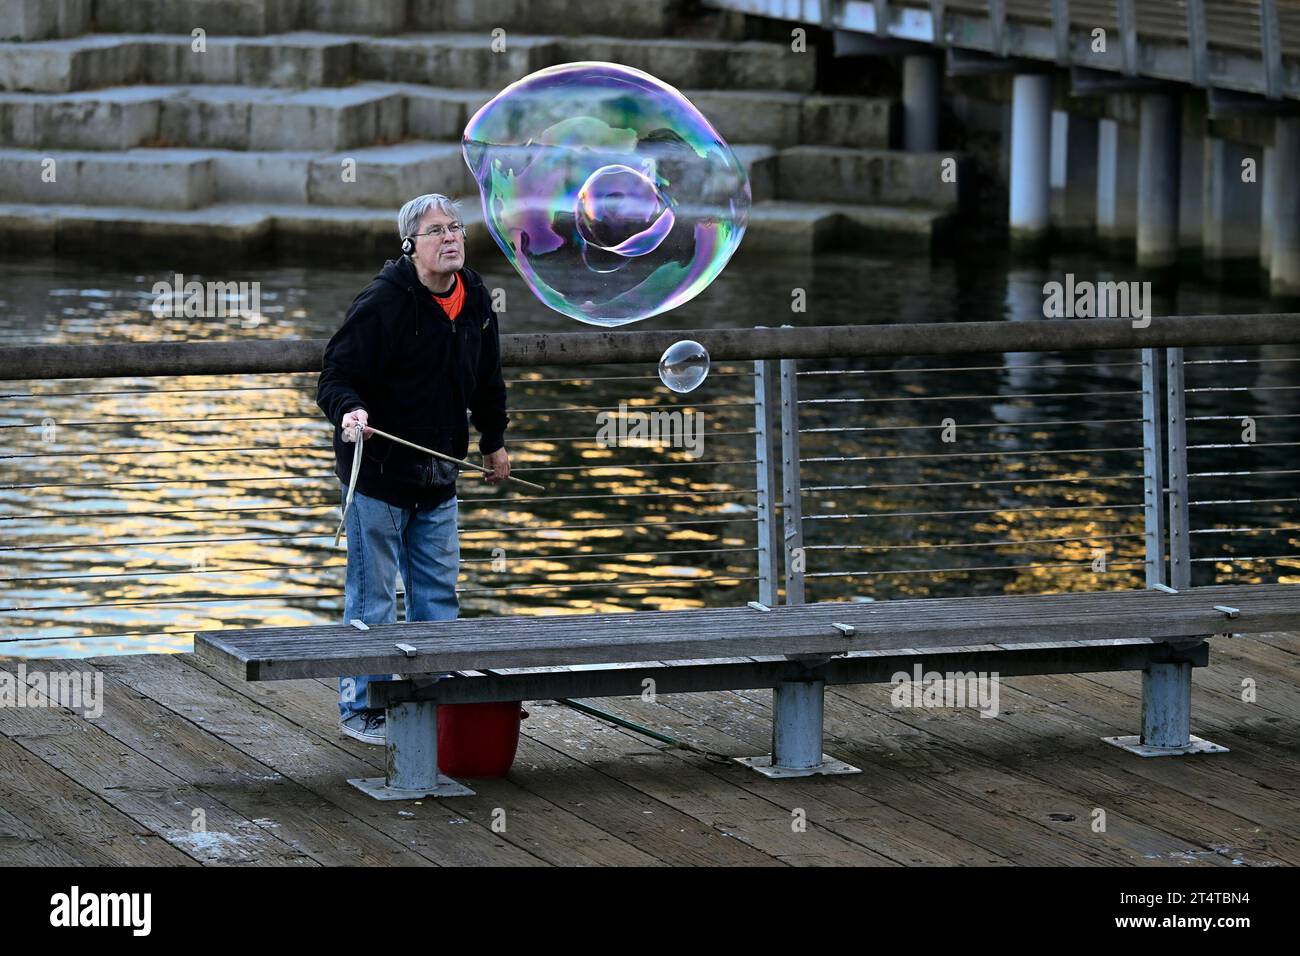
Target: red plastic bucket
{"type": "Point", "coordinates": [478, 740]}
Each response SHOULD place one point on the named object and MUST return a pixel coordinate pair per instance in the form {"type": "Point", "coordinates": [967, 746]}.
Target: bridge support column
{"type": "Point", "coordinates": [1166, 713]}
{"type": "Point", "coordinates": [1031, 153]}
{"type": "Point", "coordinates": [797, 715]}
{"type": "Point", "coordinates": [1192, 191]}
{"type": "Point", "coordinates": [1284, 263]}
{"type": "Point", "coordinates": [1159, 166]}
{"type": "Point", "coordinates": [1230, 211]}
{"type": "Point", "coordinates": [1116, 185]}
{"type": "Point", "coordinates": [1074, 174]}
{"type": "Point", "coordinates": [411, 729]}
{"type": "Point", "coordinates": [922, 101]}
{"type": "Point", "coordinates": [1268, 174]}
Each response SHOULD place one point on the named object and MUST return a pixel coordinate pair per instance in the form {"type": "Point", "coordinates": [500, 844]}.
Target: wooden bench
{"type": "Point", "coordinates": [796, 650]}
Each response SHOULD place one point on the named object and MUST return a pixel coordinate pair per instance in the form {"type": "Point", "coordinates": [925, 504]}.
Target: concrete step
{"type": "Point", "coordinates": [628, 18]}
{"type": "Point", "coordinates": [260, 118]}
{"type": "Point", "coordinates": [250, 117]}
{"type": "Point", "coordinates": [702, 64]}
{"type": "Point", "coordinates": [468, 61]}
{"type": "Point", "coordinates": [359, 234]}
{"type": "Point", "coordinates": [250, 17]}
{"type": "Point", "coordinates": [788, 119]}
{"type": "Point", "coordinates": [43, 19]}
{"type": "Point", "coordinates": [867, 177]}
{"type": "Point", "coordinates": [212, 234]}
{"type": "Point", "coordinates": [375, 176]}
{"type": "Point", "coordinates": [781, 227]}
{"type": "Point", "coordinates": [381, 177]}
{"type": "Point", "coordinates": [226, 117]}
{"type": "Point", "coordinates": [100, 60]}
{"type": "Point", "coordinates": [52, 19]}
{"type": "Point", "coordinates": [117, 118]}
{"type": "Point", "coordinates": [155, 178]}
{"type": "Point", "coordinates": [388, 176]}
{"type": "Point", "coordinates": [458, 60]}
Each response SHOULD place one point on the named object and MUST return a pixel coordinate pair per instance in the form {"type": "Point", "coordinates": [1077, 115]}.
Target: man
{"type": "Point", "coordinates": [418, 347]}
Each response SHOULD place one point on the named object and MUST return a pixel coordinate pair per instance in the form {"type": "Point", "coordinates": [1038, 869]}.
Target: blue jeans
{"type": "Point", "coordinates": [382, 538]}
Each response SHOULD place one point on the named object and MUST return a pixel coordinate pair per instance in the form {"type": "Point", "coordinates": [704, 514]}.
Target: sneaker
{"type": "Point", "coordinates": [366, 726]}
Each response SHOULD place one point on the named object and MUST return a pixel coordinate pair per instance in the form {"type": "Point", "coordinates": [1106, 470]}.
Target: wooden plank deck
{"type": "Point", "coordinates": [267, 768]}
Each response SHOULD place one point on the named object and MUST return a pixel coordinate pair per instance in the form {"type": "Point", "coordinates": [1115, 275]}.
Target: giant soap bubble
{"type": "Point", "coordinates": [611, 194]}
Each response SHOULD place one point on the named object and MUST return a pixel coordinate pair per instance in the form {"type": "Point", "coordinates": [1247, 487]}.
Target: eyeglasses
{"type": "Point", "coordinates": [455, 228]}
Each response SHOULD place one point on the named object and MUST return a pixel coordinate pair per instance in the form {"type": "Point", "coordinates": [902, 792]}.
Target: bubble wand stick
{"type": "Point", "coordinates": [356, 467]}
{"type": "Point", "coordinates": [460, 461]}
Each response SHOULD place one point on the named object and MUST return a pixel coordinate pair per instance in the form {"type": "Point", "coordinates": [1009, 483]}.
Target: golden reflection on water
{"type": "Point", "coordinates": [199, 503]}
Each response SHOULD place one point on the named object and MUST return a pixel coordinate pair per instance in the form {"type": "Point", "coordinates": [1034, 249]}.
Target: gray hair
{"type": "Point", "coordinates": [408, 220]}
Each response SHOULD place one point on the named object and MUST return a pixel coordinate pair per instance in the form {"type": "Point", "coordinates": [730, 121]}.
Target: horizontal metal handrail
{"type": "Point", "coordinates": [644, 346]}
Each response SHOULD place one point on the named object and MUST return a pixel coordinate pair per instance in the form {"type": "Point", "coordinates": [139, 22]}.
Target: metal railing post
{"type": "Point", "coordinates": [767, 397]}
{"type": "Point", "coordinates": [1180, 566]}
{"type": "Point", "coordinates": [791, 485]}
{"type": "Point", "coordinates": [1153, 471]}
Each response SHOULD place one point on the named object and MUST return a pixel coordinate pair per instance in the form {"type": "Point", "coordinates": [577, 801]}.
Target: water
{"type": "Point", "coordinates": [135, 511]}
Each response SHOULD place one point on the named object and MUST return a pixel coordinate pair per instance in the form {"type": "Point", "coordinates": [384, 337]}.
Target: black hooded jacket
{"type": "Point", "coordinates": [415, 372]}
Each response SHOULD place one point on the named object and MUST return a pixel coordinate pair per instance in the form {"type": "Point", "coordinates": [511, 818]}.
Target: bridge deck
{"type": "Point", "coordinates": [267, 767]}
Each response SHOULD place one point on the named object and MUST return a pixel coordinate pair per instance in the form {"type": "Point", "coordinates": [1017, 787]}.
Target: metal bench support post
{"type": "Point", "coordinates": [797, 714]}
{"type": "Point", "coordinates": [1166, 715]}
{"type": "Point", "coordinates": [411, 729]}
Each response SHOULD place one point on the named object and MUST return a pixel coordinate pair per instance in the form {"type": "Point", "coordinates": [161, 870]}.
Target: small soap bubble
{"type": "Point", "coordinates": [609, 192]}
{"type": "Point", "coordinates": [684, 365]}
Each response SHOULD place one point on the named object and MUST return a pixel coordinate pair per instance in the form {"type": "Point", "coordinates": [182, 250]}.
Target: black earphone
{"type": "Point", "coordinates": [408, 245]}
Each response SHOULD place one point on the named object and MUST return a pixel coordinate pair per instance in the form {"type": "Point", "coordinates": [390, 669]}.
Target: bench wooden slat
{"type": "Point", "coordinates": [498, 642]}
{"type": "Point", "coordinates": [1012, 608]}
{"type": "Point", "coordinates": [1067, 657]}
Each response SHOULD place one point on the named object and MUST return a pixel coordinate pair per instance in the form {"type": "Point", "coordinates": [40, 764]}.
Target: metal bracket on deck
{"type": "Point", "coordinates": [1230, 612]}
{"type": "Point", "coordinates": [848, 630]}
{"type": "Point", "coordinates": [359, 624]}
{"type": "Point", "coordinates": [407, 649]}
{"type": "Point", "coordinates": [1163, 587]}
{"type": "Point", "coordinates": [1194, 745]}
{"type": "Point", "coordinates": [757, 606]}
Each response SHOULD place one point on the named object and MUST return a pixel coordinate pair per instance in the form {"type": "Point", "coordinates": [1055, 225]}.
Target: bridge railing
{"type": "Point", "coordinates": [1250, 46]}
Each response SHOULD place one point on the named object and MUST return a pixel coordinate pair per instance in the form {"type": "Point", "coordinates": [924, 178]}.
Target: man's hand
{"type": "Point", "coordinates": [358, 416]}
{"type": "Point", "coordinates": [499, 462]}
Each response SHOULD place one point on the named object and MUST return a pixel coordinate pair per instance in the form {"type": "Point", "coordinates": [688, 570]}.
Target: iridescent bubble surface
{"type": "Point", "coordinates": [684, 365]}
{"type": "Point", "coordinates": [609, 192]}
